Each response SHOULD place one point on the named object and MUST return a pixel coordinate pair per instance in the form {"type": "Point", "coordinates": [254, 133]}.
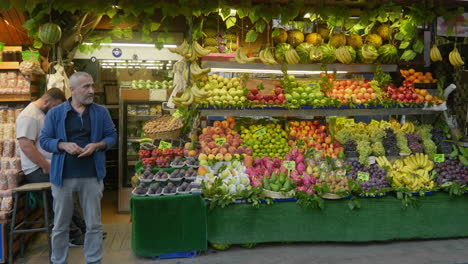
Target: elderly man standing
{"type": "Point", "coordinates": [78, 133]}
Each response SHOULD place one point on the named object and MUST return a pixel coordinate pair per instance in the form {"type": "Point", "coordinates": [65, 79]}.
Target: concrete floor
{"type": "Point", "coordinates": [117, 249]}
{"type": "Point", "coordinates": [451, 251]}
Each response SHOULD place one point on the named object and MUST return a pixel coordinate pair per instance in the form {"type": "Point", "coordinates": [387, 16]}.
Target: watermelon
{"type": "Point", "coordinates": [280, 50]}
{"type": "Point", "coordinates": [328, 53]}
{"type": "Point", "coordinates": [388, 54]}
{"type": "Point", "coordinates": [50, 33]}
{"type": "Point", "coordinates": [367, 54]}
{"type": "Point", "coordinates": [352, 52]}
{"type": "Point", "coordinates": [303, 50]}
{"type": "Point", "coordinates": [315, 54]}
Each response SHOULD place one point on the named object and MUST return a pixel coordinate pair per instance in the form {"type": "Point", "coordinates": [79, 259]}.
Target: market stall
{"type": "Point", "coordinates": [291, 120]}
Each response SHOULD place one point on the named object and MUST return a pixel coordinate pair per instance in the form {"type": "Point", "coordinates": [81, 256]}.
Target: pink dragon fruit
{"type": "Point", "coordinates": [302, 189]}
{"type": "Point", "coordinates": [276, 162]}
{"type": "Point", "coordinates": [299, 159]}
{"type": "Point", "coordinates": [255, 182]}
{"type": "Point", "coordinates": [288, 156]}
{"type": "Point", "coordinates": [294, 152]}
{"type": "Point", "coordinates": [295, 173]}
{"type": "Point", "coordinates": [310, 191]}
{"type": "Point", "coordinates": [257, 161]}
{"type": "Point", "coordinates": [283, 169]}
{"type": "Point", "coordinates": [300, 167]}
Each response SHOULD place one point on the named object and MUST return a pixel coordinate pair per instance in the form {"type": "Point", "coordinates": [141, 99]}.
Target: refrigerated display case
{"type": "Point", "coordinates": [133, 115]}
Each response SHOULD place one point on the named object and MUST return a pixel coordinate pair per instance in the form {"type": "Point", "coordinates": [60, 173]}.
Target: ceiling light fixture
{"type": "Point", "coordinates": [268, 71]}
{"type": "Point", "coordinates": [142, 45]}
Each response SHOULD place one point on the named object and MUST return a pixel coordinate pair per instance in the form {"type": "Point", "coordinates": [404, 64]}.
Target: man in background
{"type": "Point", "coordinates": [78, 133]}
{"type": "Point", "coordinates": [35, 162]}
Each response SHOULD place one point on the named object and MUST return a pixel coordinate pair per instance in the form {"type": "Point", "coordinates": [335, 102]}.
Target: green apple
{"type": "Point", "coordinates": [302, 102]}
{"type": "Point", "coordinates": [288, 97]}
{"type": "Point", "coordinates": [304, 95]}
{"type": "Point", "coordinates": [299, 90]}
{"type": "Point", "coordinates": [308, 89]}
{"type": "Point", "coordinates": [296, 95]}
{"type": "Point", "coordinates": [225, 174]}
{"type": "Point", "coordinates": [203, 162]}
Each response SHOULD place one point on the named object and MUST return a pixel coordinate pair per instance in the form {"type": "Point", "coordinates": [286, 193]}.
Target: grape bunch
{"type": "Point", "coordinates": [438, 138]}
{"type": "Point", "coordinates": [414, 143]}
{"type": "Point", "coordinates": [377, 180]}
{"type": "Point", "coordinates": [350, 145]}
{"type": "Point", "coordinates": [451, 170]}
{"type": "Point", "coordinates": [390, 143]}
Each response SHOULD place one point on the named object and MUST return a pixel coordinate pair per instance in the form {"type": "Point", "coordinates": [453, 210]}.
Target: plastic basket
{"type": "Point", "coordinates": [188, 254]}
{"type": "Point", "coordinates": [332, 196]}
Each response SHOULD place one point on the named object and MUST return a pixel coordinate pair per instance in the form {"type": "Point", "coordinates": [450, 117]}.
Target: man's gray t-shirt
{"type": "Point", "coordinates": [29, 124]}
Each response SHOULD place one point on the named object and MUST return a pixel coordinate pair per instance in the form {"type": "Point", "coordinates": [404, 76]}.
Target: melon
{"type": "Point", "coordinates": [352, 52]}
{"type": "Point", "coordinates": [354, 41]}
{"type": "Point", "coordinates": [328, 53]}
{"type": "Point", "coordinates": [324, 31]}
{"type": "Point", "coordinates": [315, 54]}
{"type": "Point", "coordinates": [367, 53]}
{"type": "Point", "coordinates": [338, 40]}
{"type": "Point", "coordinates": [280, 50]}
{"type": "Point", "coordinates": [384, 31]}
{"type": "Point", "coordinates": [210, 32]}
{"type": "Point", "coordinates": [374, 40]}
{"type": "Point", "coordinates": [50, 33]}
{"type": "Point", "coordinates": [295, 37]}
{"type": "Point", "coordinates": [282, 37]}
{"type": "Point", "coordinates": [303, 50]}
{"type": "Point", "coordinates": [388, 54]}
{"type": "Point", "coordinates": [211, 42]}
{"type": "Point", "coordinates": [314, 39]}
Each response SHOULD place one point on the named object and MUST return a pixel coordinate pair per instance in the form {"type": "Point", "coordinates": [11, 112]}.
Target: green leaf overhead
{"type": "Point", "coordinates": [230, 22]}
{"type": "Point", "coordinates": [251, 36]}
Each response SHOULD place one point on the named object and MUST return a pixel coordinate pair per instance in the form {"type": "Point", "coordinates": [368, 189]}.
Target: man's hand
{"type": "Point", "coordinates": [70, 147]}
{"type": "Point", "coordinates": [89, 149]}
{"type": "Point", "coordinates": [46, 168]}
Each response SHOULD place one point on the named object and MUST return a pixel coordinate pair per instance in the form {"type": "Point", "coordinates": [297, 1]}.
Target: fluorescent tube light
{"type": "Point", "coordinates": [307, 15]}
{"type": "Point", "coordinates": [267, 71]}
{"type": "Point", "coordinates": [131, 45]}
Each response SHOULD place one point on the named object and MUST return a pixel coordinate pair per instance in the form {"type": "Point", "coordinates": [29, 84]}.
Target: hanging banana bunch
{"type": "Point", "coordinates": [190, 51]}
{"type": "Point", "coordinates": [435, 54]}
{"type": "Point", "coordinates": [242, 58]}
{"type": "Point", "coordinates": [455, 58]}
{"type": "Point", "coordinates": [266, 56]}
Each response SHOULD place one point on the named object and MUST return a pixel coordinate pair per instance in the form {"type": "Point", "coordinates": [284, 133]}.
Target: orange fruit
{"type": "Point", "coordinates": [428, 98]}
{"type": "Point", "coordinates": [427, 81]}
{"type": "Point", "coordinates": [411, 71]}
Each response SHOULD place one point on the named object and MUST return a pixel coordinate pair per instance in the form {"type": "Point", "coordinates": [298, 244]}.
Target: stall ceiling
{"type": "Point", "coordinates": [11, 29]}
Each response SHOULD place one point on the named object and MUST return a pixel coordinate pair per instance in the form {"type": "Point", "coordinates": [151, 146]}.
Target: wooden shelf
{"type": "Point", "coordinates": [9, 65]}
{"type": "Point", "coordinates": [15, 97]}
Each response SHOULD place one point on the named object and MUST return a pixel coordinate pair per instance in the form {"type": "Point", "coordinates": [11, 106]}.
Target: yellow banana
{"type": "Point", "coordinates": [455, 58]}
{"type": "Point", "coordinates": [435, 54]}
{"type": "Point", "coordinates": [199, 50]}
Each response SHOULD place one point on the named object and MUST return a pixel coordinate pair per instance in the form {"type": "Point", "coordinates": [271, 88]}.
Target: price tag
{"type": "Point", "coordinates": [340, 120]}
{"type": "Point", "coordinates": [260, 132]}
{"type": "Point", "coordinates": [220, 141]}
{"type": "Point", "coordinates": [289, 165]}
{"type": "Point", "coordinates": [385, 125]}
{"type": "Point", "coordinates": [177, 114]}
{"type": "Point", "coordinates": [439, 158]}
{"type": "Point", "coordinates": [375, 123]}
{"type": "Point", "coordinates": [371, 160]}
{"type": "Point", "coordinates": [363, 175]}
{"type": "Point", "coordinates": [164, 145]}
{"type": "Point", "coordinates": [349, 122]}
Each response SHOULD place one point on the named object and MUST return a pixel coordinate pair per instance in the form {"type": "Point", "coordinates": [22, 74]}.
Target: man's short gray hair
{"type": "Point", "coordinates": [77, 75]}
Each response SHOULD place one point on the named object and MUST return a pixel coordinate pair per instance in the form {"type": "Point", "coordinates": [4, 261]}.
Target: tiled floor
{"type": "Point", "coordinates": [117, 249]}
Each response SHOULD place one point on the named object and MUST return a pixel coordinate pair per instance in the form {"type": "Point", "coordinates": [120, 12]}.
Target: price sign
{"type": "Point", "coordinates": [220, 141]}
{"type": "Point", "coordinates": [340, 121]}
{"type": "Point", "coordinates": [375, 123]}
{"type": "Point", "coordinates": [349, 122]}
{"type": "Point", "coordinates": [439, 158]}
{"type": "Point", "coordinates": [371, 160]}
{"type": "Point", "coordinates": [363, 176]}
{"type": "Point", "coordinates": [289, 165]}
{"type": "Point", "coordinates": [164, 145]}
{"type": "Point", "coordinates": [260, 132]}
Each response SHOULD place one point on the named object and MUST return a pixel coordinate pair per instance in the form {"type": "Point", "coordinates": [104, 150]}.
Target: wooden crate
{"type": "Point", "coordinates": [134, 95]}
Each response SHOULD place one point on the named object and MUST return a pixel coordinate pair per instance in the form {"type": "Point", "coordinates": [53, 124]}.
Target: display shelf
{"type": "Point", "coordinates": [111, 106]}
{"type": "Point", "coordinates": [141, 117]}
{"type": "Point", "coordinates": [349, 68]}
{"type": "Point", "coordinates": [9, 65]}
{"type": "Point", "coordinates": [315, 112]}
{"type": "Point", "coordinates": [15, 98]}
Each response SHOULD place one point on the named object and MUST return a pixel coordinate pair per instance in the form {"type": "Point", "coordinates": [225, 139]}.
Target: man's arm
{"type": "Point", "coordinates": [48, 139]}
{"type": "Point", "coordinates": [32, 153]}
{"type": "Point", "coordinates": [109, 138]}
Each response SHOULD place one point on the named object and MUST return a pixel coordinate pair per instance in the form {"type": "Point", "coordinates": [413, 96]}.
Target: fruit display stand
{"type": "Point", "coordinates": [378, 219]}
{"type": "Point", "coordinates": [168, 224]}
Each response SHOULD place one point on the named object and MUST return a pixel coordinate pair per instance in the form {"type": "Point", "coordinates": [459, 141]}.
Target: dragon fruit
{"type": "Point", "coordinates": [299, 159]}
{"type": "Point", "coordinates": [257, 162]}
{"type": "Point", "coordinates": [288, 156]}
{"type": "Point", "coordinates": [310, 191]}
{"type": "Point", "coordinates": [300, 167]}
{"type": "Point", "coordinates": [294, 153]}
{"type": "Point", "coordinates": [302, 188]}
{"type": "Point", "coordinates": [255, 182]}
